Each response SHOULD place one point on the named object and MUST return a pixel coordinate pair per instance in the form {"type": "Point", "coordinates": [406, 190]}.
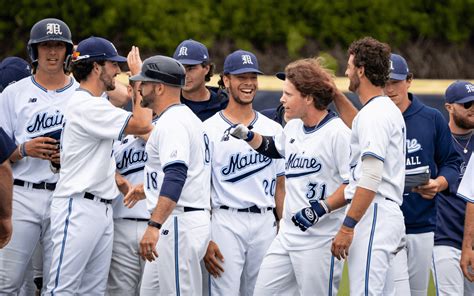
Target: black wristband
{"type": "Point", "coordinates": [154, 224]}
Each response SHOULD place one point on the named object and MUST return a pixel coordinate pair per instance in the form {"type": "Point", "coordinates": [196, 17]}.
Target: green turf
{"type": "Point", "coordinates": [344, 286]}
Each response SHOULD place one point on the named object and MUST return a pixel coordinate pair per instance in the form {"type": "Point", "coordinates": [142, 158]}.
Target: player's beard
{"type": "Point", "coordinates": [462, 121]}
{"type": "Point", "coordinates": [148, 99]}
{"type": "Point", "coordinates": [107, 80]}
{"type": "Point", "coordinates": [354, 83]}
{"type": "Point", "coordinates": [236, 97]}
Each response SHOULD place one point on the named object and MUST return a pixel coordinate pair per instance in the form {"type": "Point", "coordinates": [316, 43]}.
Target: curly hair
{"type": "Point", "coordinates": [80, 70]}
{"type": "Point", "coordinates": [209, 74]}
{"type": "Point", "coordinates": [310, 78]}
{"type": "Point", "coordinates": [374, 56]}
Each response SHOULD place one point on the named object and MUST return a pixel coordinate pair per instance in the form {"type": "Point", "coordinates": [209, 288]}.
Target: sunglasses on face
{"type": "Point", "coordinates": [467, 105]}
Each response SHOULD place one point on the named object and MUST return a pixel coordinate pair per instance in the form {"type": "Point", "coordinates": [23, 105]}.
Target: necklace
{"type": "Point", "coordinates": [467, 144]}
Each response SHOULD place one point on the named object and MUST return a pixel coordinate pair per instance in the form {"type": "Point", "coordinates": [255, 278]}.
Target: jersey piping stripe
{"type": "Point", "coordinates": [231, 123]}
{"type": "Point", "coordinates": [140, 168]}
{"type": "Point", "coordinates": [71, 82]}
{"type": "Point", "coordinates": [243, 176]}
{"type": "Point", "coordinates": [209, 283]}
{"type": "Point", "coordinates": [331, 275]}
{"type": "Point", "coordinates": [174, 162]}
{"type": "Point", "coordinates": [176, 249]}
{"type": "Point", "coordinates": [121, 134]}
{"type": "Point", "coordinates": [435, 275]}
{"type": "Point", "coordinates": [330, 116]}
{"type": "Point", "coordinates": [168, 108]}
{"type": "Point", "coordinates": [373, 155]}
{"type": "Point", "coordinates": [465, 198]}
{"type": "Point", "coordinates": [63, 245]}
{"type": "Point", "coordinates": [369, 251]}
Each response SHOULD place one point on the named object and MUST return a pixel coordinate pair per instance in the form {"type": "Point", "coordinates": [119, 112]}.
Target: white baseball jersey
{"type": "Point", "coordinates": [29, 111]}
{"type": "Point", "coordinates": [178, 137]}
{"type": "Point", "coordinates": [87, 162]}
{"type": "Point", "coordinates": [317, 163]}
{"type": "Point", "coordinates": [242, 177]}
{"type": "Point", "coordinates": [130, 158]}
{"type": "Point", "coordinates": [375, 135]}
{"type": "Point", "coordinates": [466, 187]}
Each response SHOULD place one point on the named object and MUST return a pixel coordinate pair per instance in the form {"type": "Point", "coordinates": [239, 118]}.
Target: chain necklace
{"type": "Point", "coordinates": [463, 147]}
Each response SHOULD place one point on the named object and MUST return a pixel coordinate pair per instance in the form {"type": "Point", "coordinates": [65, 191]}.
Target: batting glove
{"type": "Point", "coordinates": [240, 131]}
{"type": "Point", "coordinates": [309, 216]}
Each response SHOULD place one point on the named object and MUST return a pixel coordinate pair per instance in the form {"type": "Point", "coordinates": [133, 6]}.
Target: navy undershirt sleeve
{"type": "Point", "coordinates": [268, 148]}
{"type": "Point", "coordinates": [173, 181]}
{"type": "Point", "coordinates": [7, 146]}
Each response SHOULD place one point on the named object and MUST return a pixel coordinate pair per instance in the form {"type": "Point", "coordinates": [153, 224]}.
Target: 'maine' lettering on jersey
{"type": "Point", "coordinates": [413, 146]}
{"type": "Point", "coordinates": [131, 156]}
{"type": "Point", "coordinates": [238, 162]}
{"type": "Point", "coordinates": [300, 162]}
{"type": "Point", "coordinates": [45, 120]}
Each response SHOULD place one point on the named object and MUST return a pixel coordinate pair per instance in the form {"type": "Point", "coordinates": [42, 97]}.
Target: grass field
{"type": "Point", "coordinates": [344, 286]}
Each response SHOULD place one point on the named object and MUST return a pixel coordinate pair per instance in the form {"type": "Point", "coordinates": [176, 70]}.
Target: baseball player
{"type": "Point", "coordinates": [7, 146]}
{"type": "Point", "coordinates": [429, 147]}
{"type": "Point", "coordinates": [451, 211]}
{"type": "Point", "coordinates": [373, 228]}
{"type": "Point", "coordinates": [176, 180]}
{"type": "Point", "coordinates": [315, 145]}
{"type": "Point", "coordinates": [204, 101]}
{"type": "Point", "coordinates": [81, 212]}
{"type": "Point", "coordinates": [32, 109]}
{"type": "Point", "coordinates": [246, 186]}
{"type": "Point", "coordinates": [126, 267]}
{"type": "Point", "coordinates": [466, 191]}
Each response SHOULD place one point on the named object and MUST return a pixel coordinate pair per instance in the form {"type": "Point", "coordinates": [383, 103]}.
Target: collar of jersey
{"type": "Point", "coordinates": [168, 108]}
{"type": "Point", "coordinates": [371, 99]}
{"type": "Point", "coordinates": [330, 116]}
{"type": "Point", "coordinates": [71, 82]}
{"type": "Point", "coordinates": [221, 113]}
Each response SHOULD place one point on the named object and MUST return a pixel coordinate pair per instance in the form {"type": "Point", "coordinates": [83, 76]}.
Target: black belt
{"type": "Point", "coordinates": [92, 196]}
{"type": "Point", "coordinates": [190, 209]}
{"type": "Point", "coordinates": [42, 185]}
{"type": "Point", "coordinates": [252, 209]}
{"type": "Point", "coordinates": [137, 219]}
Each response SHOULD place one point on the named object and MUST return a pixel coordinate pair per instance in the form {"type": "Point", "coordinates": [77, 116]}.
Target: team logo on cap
{"type": "Point", "coordinates": [53, 29]}
{"type": "Point", "coordinates": [183, 51]}
{"type": "Point", "coordinates": [247, 59]}
{"type": "Point", "coordinates": [391, 66]}
{"type": "Point", "coordinates": [470, 88]}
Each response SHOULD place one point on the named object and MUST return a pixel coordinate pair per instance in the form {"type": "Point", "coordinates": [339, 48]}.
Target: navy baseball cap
{"type": "Point", "coordinates": [13, 69]}
{"type": "Point", "coordinates": [398, 67]}
{"type": "Point", "coordinates": [281, 75]}
{"type": "Point", "coordinates": [191, 52]}
{"type": "Point", "coordinates": [241, 61]}
{"type": "Point", "coordinates": [97, 48]}
{"type": "Point", "coordinates": [460, 92]}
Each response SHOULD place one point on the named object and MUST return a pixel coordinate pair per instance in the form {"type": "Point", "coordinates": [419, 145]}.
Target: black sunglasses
{"type": "Point", "coordinates": [467, 105]}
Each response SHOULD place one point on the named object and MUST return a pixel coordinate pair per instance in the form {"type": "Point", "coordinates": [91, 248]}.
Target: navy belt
{"type": "Point", "coordinates": [91, 196]}
{"type": "Point", "coordinates": [190, 209]}
{"type": "Point", "coordinates": [137, 219]}
{"type": "Point", "coordinates": [42, 185]}
{"type": "Point", "coordinates": [252, 209]}
{"type": "Point", "coordinates": [386, 198]}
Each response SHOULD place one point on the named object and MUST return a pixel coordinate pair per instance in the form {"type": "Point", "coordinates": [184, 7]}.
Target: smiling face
{"type": "Point", "coordinates": [294, 103]}
{"type": "Point", "coordinates": [242, 87]}
{"type": "Point", "coordinates": [351, 73]}
{"type": "Point", "coordinates": [51, 56]}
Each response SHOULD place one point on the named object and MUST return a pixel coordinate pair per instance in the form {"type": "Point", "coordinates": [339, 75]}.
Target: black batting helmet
{"type": "Point", "coordinates": [49, 29]}
{"type": "Point", "coordinates": [162, 69]}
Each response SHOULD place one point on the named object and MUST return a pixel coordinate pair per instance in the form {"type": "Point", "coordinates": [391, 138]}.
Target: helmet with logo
{"type": "Point", "coordinates": [49, 29]}
{"type": "Point", "coordinates": [162, 69]}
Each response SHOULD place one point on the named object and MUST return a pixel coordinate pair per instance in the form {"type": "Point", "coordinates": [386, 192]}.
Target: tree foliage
{"type": "Point", "coordinates": [224, 25]}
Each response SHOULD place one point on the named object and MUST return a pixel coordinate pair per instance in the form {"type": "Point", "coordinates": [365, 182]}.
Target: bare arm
{"type": "Point", "coordinates": [279, 196]}
{"type": "Point", "coordinates": [347, 111]}
{"type": "Point", "coordinates": [119, 96]}
{"type": "Point", "coordinates": [163, 209]}
{"type": "Point", "coordinates": [6, 191]}
{"type": "Point", "coordinates": [467, 254]}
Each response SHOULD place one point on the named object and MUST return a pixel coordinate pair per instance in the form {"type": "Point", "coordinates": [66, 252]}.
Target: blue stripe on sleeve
{"type": "Point", "coordinates": [372, 155]}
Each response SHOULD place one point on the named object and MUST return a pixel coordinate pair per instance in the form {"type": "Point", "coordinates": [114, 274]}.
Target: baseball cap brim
{"type": "Point", "coordinates": [189, 62]}
{"type": "Point", "coordinates": [117, 58]}
{"type": "Point", "coordinates": [140, 77]}
{"type": "Point", "coordinates": [281, 75]}
{"type": "Point", "coordinates": [244, 70]}
{"type": "Point", "coordinates": [395, 76]}
{"type": "Point", "coordinates": [465, 100]}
